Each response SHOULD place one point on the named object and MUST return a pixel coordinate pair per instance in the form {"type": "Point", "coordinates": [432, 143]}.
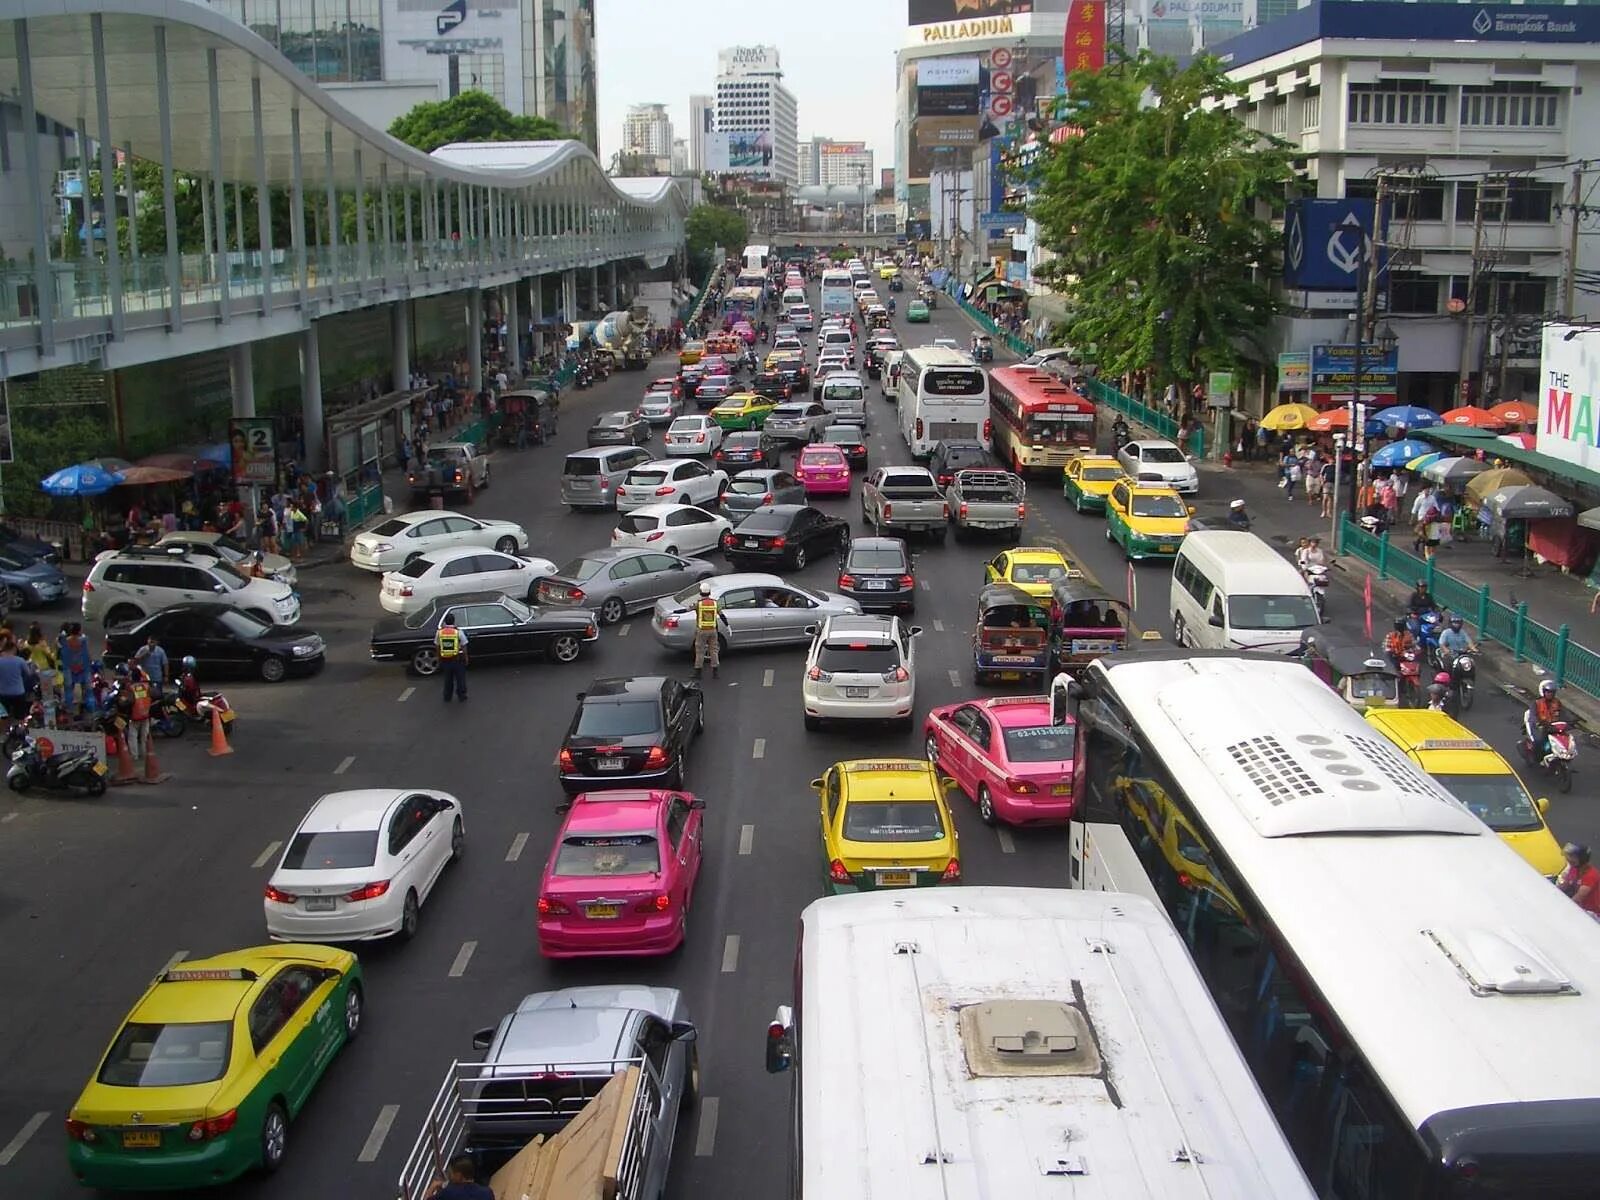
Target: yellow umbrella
{"type": "Point", "coordinates": [1491, 482]}
{"type": "Point", "coordinates": [1289, 416]}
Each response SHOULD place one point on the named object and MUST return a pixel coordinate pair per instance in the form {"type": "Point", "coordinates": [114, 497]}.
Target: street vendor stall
{"type": "Point", "coordinates": [361, 439]}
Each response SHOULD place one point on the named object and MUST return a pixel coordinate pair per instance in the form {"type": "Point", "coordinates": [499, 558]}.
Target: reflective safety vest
{"type": "Point", "coordinates": [141, 702]}
{"type": "Point", "coordinates": [448, 639]}
{"type": "Point", "coordinates": [705, 613]}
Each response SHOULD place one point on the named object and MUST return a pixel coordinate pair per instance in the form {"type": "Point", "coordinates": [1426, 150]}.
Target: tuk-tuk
{"type": "Point", "coordinates": [896, 284]}
{"type": "Point", "coordinates": [527, 417]}
{"type": "Point", "coordinates": [982, 348]}
{"type": "Point", "coordinates": [1364, 677]}
{"type": "Point", "coordinates": [928, 296]}
{"type": "Point", "coordinates": [1086, 623]}
{"type": "Point", "coordinates": [1012, 638]}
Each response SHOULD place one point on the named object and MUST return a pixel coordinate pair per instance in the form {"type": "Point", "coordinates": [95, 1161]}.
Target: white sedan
{"type": "Point", "coordinates": [397, 540]}
{"type": "Point", "coordinates": [671, 481]}
{"type": "Point", "coordinates": [695, 437]}
{"type": "Point", "coordinates": [361, 864]}
{"type": "Point", "coordinates": [675, 528]}
{"type": "Point", "coordinates": [452, 572]}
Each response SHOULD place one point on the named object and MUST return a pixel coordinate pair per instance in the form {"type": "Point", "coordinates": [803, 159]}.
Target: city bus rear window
{"type": "Point", "coordinates": [952, 381]}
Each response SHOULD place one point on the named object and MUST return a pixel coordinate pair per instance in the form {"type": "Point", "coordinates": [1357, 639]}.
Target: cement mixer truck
{"type": "Point", "coordinates": [627, 335]}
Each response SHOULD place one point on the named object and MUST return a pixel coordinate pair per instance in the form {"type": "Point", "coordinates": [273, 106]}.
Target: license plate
{"type": "Point", "coordinates": [1006, 675]}
{"type": "Point", "coordinates": [605, 912]}
{"type": "Point", "coordinates": [877, 585]}
{"type": "Point", "coordinates": [857, 693]}
{"type": "Point", "coordinates": [99, 768]}
{"type": "Point", "coordinates": [1061, 789]}
{"type": "Point", "coordinates": [609, 764]}
{"type": "Point", "coordinates": [321, 903]}
{"type": "Point", "coordinates": [141, 1139]}
{"type": "Point", "coordinates": [894, 878]}
{"type": "Point", "coordinates": [752, 543]}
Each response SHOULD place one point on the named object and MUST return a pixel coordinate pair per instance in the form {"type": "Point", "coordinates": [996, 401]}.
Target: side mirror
{"type": "Point", "coordinates": [1542, 804]}
{"type": "Point", "coordinates": [1215, 621]}
{"type": "Point", "coordinates": [1191, 510]}
{"type": "Point", "coordinates": [816, 784]}
{"type": "Point", "coordinates": [914, 631]}
{"type": "Point", "coordinates": [697, 804]}
{"type": "Point", "coordinates": [947, 782]}
{"type": "Point", "coordinates": [581, 695]}
{"type": "Point", "coordinates": [811, 631]}
{"type": "Point", "coordinates": [684, 1031]}
{"type": "Point", "coordinates": [780, 1040]}
{"type": "Point", "coordinates": [691, 685]}
{"type": "Point", "coordinates": [219, 588]}
{"type": "Point", "coordinates": [564, 807]}
{"type": "Point", "coordinates": [483, 1039]}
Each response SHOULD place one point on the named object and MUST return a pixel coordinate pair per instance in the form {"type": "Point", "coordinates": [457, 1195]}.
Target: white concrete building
{"type": "Point", "coordinates": [647, 130]}
{"type": "Point", "coordinates": [751, 99]}
{"type": "Point", "coordinates": [702, 120]}
{"type": "Point", "coordinates": [844, 163]}
{"type": "Point", "coordinates": [680, 156]}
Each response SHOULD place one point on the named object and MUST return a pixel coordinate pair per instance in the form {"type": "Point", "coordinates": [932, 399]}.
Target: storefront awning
{"type": "Point", "coordinates": [983, 276]}
{"type": "Point", "coordinates": [1000, 285]}
{"type": "Point", "coordinates": [1494, 447]}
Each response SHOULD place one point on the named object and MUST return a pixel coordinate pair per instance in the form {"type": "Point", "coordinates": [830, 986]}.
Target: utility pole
{"type": "Point", "coordinates": [1496, 185]}
{"type": "Point", "coordinates": [1570, 301]}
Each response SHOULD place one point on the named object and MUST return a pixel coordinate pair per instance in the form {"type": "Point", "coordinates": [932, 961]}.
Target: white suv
{"type": "Point", "coordinates": [125, 586]}
{"type": "Point", "coordinates": [861, 668]}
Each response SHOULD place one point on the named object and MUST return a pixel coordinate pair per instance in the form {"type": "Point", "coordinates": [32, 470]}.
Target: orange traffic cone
{"type": "Point", "coordinates": [219, 737]}
{"type": "Point", "coordinates": [125, 773]}
{"type": "Point", "coordinates": [152, 769]}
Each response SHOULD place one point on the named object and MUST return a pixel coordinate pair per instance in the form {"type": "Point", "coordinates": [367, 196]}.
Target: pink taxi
{"type": "Point", "coordinates": [823, 470]}
{"type": "Point", "coordinates": [1006, 755]}
{"type": "Point", "coordinates": [621, 875]}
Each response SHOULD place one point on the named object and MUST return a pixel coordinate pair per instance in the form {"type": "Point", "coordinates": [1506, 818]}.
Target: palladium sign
{"type": "Point", "coordinates": [957, 31]}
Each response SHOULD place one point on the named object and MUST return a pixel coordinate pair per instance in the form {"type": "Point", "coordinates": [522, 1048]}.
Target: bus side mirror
{"type": "Point", "coordinates": [780, 1040]}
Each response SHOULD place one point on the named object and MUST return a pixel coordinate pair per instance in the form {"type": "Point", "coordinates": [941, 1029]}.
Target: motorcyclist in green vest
{"type": "Point", "coordinates": [451, 645]}
{"type": "Point", "coordinates": [706, 647]}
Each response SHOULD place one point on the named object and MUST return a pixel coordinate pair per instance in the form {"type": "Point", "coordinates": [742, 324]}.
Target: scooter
{"type": "Point", "coordinates": [1463, 672]}
{"type": "Point", "coordinates": [1121, 435]}
{"type": "Point", "coordinates": [1560, 753]}
{"type": "Point", "coordinates": [79, 772]}
{"type": "Point", "coordinates": [584, 376]}
{"type": "Point", "coordinates": [1425, 630]}
{"type": "Point", "coordinates": [1317, 581]}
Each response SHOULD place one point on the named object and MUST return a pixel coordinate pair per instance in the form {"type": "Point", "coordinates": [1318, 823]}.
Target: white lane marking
{"type": "Point", "coordinates": [623, 632]}
{"type": "Point", "coordinates": [406, 695]}
{"type": "Point", "coordinates": [463, 957]}
{"type": "Point", "coordinates": [1007, 845]}
{"type": "Point", "coordinates": [747, 838]}
{"type": "Point", "coordinates": [15, 1145]}
{"type": "Point", "coordinates": [373, 1146]}
{"type": "Point", "coordinates": [344, 765]}
{"type": "Point", "coordinates": [760, 748]}
{"type": "Point", "coordinates": [10, 816]}
{"type": "Point", "coordinates": [265, 856]}
{"type": "Point", "coordinates": [938, 625]}
{"type": "Point", "coordinates": [925, 586]}
{"type": "Point", "coordinates": [705, 1140]}
{"type": "Point", "coordinates": [177, 957]}
{"type": "Point", "coordinates": [766, 677]}
{"type": "Point", "coordinates": [517, 845]}
{"type": "Point", "coordinates": [730, 954]}
{"type": "Point", "coordinates": [955, 677]}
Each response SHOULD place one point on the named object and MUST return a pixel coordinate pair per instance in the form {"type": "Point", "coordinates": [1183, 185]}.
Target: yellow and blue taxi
{"type": "Point", "coordinates": [885, 824]}
{"type": "Point", "coordinates": [1148, 520]}
{"type": "Point", "coordinates": [217, 1057]}
{"type": "Point", "coordinates": [1474, 773]}
{"type": "Point", "coordinates": [1087, 481]}
{"type": "Point", "coordinates": [745, 410]}
{"type": "Point", "coordinates": [1034, 569]}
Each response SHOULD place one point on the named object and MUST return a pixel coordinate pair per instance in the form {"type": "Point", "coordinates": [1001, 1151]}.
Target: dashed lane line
{"type": "Point", "coordinates": [955, 677]}
{"type": "Point", "coordinates": [1008, 845]}
{"type": "Point", "coordinates": [705, 1138]}
{"type": "Point", "coordinates": [265, 856]}
{"type": "Point", "coordinates": [759, 750]}
{"type": "Point", "coordinates": [938, 625]}
{"type": "Point", "coordinates": [730, 954]}
{"type": "Point", "coordinates": [8, 818]}
{"type": "Point", "coordinates": [373, 1146]}
{"type": "Point", "coordinates": [925, 586]}
{"type": "Point", "coordinates": [15, 1145]}
{"type": "Point", "coordinates": [747, 838]}
{"type": "Point", "coordinates": [463, 957]}
{"type": "Point", "coordinates": [624, 631]}
{"type": "Point", "coordinates": [344, 764]}
{"type": "Point", "coordinates": [766, 677]}
{"type": "Point", "coordinates": [518, 844]}
{"type": "Point", "coordinates": [406, 695]}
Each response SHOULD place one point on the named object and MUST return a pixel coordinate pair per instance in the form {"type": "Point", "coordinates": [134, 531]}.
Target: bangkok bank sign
{"type": "Point", "coordinates": [1569, 395]}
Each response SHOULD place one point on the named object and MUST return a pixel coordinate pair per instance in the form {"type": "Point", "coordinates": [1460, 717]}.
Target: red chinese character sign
{"type": "Point", "coordinates": [1084, 48]}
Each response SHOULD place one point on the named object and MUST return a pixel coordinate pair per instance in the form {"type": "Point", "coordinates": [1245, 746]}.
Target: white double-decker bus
{"type": "Point", "coordinates": [1027, 1043]}
{"type": "Point", "coordinates": [943, 397]}
{"type": "Point", "coordinates": [838, 296]}
{"type": "Point", "coordinates": [1419, 1005]}
{"type": "Point", "coordinates": [757, 258]}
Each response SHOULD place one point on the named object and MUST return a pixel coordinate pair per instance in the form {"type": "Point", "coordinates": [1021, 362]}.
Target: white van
{"type": "Point", "coordinates": [793, 296]}
{"type": "Point", "coordinates": [1232, 591]}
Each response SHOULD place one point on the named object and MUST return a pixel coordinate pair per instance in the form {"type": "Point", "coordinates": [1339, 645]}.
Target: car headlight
{"type": "Point", "coordinates": [306, 649]}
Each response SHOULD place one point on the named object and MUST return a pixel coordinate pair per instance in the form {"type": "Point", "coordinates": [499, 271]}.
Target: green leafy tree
{"type": "Point", "coordinates": [470, 117]}
{"type": "Point", "coordinates": [708, 226]}
{"type": "Point", "coordinates": [1160, 215]}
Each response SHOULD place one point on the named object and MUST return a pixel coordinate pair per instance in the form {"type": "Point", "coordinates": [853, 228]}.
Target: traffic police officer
{"type": "Point", "coordinates": [706, 649]}
{"type": "Point", "coordinates": [451, 643]}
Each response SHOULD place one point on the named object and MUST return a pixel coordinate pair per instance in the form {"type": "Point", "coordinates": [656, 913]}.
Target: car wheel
{"type": "Point", "coordinates": [20, 782]}
{"type": "Point", "coordinates": [612, 611]}
{"type": "Point", "coordinates": [506, 545]}
{"type": "Point", "coordinates": [683, 498]}
{"type": "Point", "coordinates": [409, 916]}
{"type": "Point", "coordinates": [691, 1078]}
{"type": "Point", "coordinates": [425, 660]}
{"type": "Point", "coordinates": [352, 1011]}
{"type": "Point", "coordinates": [672, 550]}
{"type": "Point", "coordinates": [1180, 629]}
{"type": "Point", "coordinates": [458, 840]}
{"type": "Point", "coordinates": [930, 748]}
{"type": "Point", "coordinates": [273, 668]}
{"type": "Point", "coordinates": [274, 1138]}
{"type": "Point", "coordinates": [123, 614]}
{"type": "Point", "coordinates": [813, 723]}
{"type": "Point", "coordinates": [985, 805]}
{"type": "Point", "coordinates": [15, 598]}
{"type": "Point", "coordinates": [565, 648]}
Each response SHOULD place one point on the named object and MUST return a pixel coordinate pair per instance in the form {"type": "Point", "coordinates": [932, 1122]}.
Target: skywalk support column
{"type": "Point", "coordinates": [400, 343]}
{"type": "Point", "coordinates": [513, 320]}
{"type": "Point", "coordinates": [311, 398]}
{"type": "Point", "coordinates": [475, 342]}
{"type": "Point", "coordinates": [241, 367]}
{"type": "Point", "coordinates": [614, 300]}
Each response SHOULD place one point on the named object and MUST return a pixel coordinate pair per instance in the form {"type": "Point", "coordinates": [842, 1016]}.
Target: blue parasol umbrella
{"type": "Point", "coordinates": [1398, 454]}
{"type": "Point", "coordinates": [85, 479]}
{"type": "Point", "coordinates": [1407, 416]}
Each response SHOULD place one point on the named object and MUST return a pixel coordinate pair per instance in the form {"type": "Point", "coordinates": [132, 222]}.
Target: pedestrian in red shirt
{"type": "Point", "coordinates": [1581, 879]}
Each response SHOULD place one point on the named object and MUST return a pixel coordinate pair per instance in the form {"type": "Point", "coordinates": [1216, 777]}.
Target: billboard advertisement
{"type": "Point", "coordinates": [1569, 389]}
{"type": "Point", "coordinates": [947, 72]}
{"type": "Point", "coordinates": [953, 132]}
{"type": "Point", "coordinates": [828, 149]}
{"type": "Point", "coordinates": [947, 102]}
{"type": "Point", "coordinates": [253, 442]}
{"type": "Point", "coordinates": [1326, 241]}
{"type": "Point", "coordinates": [933, 12]}
{"type": "Point", "coordinates": [1333, 374]}
{"type": "Point", "coordinates": [749, 151]}
{"type": "Point", "coordinates": [1294, 371]}
{"type": "Point", "coordinates": [1084, 46]}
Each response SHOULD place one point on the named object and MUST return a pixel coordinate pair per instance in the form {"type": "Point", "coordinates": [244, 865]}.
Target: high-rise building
{"type": "Point", "coordinates": [647, 130]}
{"type": "Point", "coordinates": [702, 120]}
{"type": "Point", "coordinates": [847, 163]}
{"type": "Point", "coordinates": [680, 156]}
{"type": "Point", "coordinates": [758, 114]}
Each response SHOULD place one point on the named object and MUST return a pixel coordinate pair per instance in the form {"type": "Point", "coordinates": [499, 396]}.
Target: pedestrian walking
{"type": "Point", "coordinates": [13, 683]}
{"type": "Point", "coordinates": [138, 712]}
{"type": "Point", "coordinates": [153, 659]}
{"type": "Point", "coordinates": [1328, 470]}
{"type": "Point", "coordinates": [75, 661]}
{"type": "Point", "coordinates": [707, 649]}
{"type": "Point", "coordinates": [405, 454]}
{"type": "Point", "coordinates": [1291, 476]}
{"type": "Point", "coordinates": [451, 644]}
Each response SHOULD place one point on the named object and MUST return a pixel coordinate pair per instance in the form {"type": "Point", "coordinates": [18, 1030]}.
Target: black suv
{"type": "Point", "coordinates": [784, 535]}
{"type": "Point", "coordinates": [631, 732]}
{"type": "Point", "coordinates": [879, 574]}
{"type": "Point", "coordinates": [949, 457]}
{"type": "Point", "coordinates": [773, 386]}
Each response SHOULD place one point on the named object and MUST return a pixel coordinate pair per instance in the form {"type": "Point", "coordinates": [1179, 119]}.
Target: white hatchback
{"type": "Point", "coordinates": [670, 481]}
{"type": "Point", "coordinates": [1158, 460]}
{"type": "Point", "coordinates": [674, 528]}
{"type": "Point", "coordinates": [453, 572]}
{"type": "Point", "coordinates": [396, 540]}
{"type": "Point", "coordinates": [861, 668]}
{"type": "Point", "coordinates": [693, 437]}
{"type": "Point", "coordinates": [361, 864]}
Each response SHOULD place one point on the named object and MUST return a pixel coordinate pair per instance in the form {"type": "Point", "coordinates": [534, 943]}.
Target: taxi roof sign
{"type": "Point", "coordinates": [1453, 744]}
{"type": "Point", "coordinates": [892, 764]}
{"type": "Point", "coordinates": [208, 975]}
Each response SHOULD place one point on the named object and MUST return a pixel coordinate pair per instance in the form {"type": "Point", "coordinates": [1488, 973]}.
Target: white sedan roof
{"type": "Point", "coordinates": [666, 508]}
{"type": "Point", "coordinates": [355, 810]}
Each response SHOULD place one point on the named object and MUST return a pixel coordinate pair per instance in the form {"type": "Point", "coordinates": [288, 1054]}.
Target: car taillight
{"type": "Point", "coordinates": [211, 1127]}
{"type": "Point", "coordinates": [716, 454]}
{"type": "Point", "coordinates": [946, 512]}
{"type": "Point", "coordinates": [405, 590]}
{"type": "Point", "coordinates": [1021, 787]}
{"type": "Point", "coordinates": [1022, 511]}
{"type": "Point", "coordinates": [888, 512]}
{"type": "Point", "coordinates": [654, 534]}
{"type": "Point", "coordinates": [278, 896]}
{"type": "Point", "coordinates": [767, 499]}
{"type": "Point", "coordinates": [699, 437]}
{"type": "Point", "coordinates": [898, 675]}
{"type": "Point", "coordinates": [87, 586]}
{"type": "Point", "coordinates": [565, 761]}
{"type": "Point", "coordinates": [778, 543]}
{"type": "Point", "coordinates": [370, 892]}
{"type": "Point", "coordinates": [622, 489]}
{"type": "Point", "coordinates": [671, 622]}
{"type": "Point", "coordinates": [988, 430]}
{"type": "Point", "coordinates": [658, 757]}
{"type": "Point", "coordinates": [663, 491]}
{"type": "Point", "coordinates": [952, 872]}
{"type": "Point", "coordinates": [906, 581]}
{"type": "Point", "coordinates": [918, 430]}
{"type": "Point", "coordinates": [728, 539]}
{"type": "Point", "coordinates": [574, 594]}
{"type": "Point", "coordinates": [837, 872]}
{"type": "Point", "coordinates": [944, 480]}
{"type": "Point", "coordinates": [847, 581]}
{"type": "Point", "coordinates": [963, 510]}
{"type": "Point", "coordinates": [553, 908]}
{"type": "Point", "coordinates": [81, 1131]}
{"type": "Point", "coordinates": [659, 903]}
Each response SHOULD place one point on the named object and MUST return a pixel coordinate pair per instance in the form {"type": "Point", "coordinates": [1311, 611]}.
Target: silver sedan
{"type": "Point", "coordinates": [756, 610]}
{"type": "Point", "coordinates": [761, 486]}
{"type": "Point", "coordinates": [617, 581]}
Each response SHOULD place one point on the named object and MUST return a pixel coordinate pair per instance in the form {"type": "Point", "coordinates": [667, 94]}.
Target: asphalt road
{"type": "Point", "coordinates": [96, 896]}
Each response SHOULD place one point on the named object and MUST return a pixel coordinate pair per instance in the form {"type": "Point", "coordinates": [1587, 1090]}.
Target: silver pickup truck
{"type": "Point", "coordinates": [904, 500]}
{"type": "Point", "coordinates": [988, 500]}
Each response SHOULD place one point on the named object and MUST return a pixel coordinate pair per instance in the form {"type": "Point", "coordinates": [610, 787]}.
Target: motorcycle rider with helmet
{"type": "Point", "coordinates": [1541, 715]}
{"type": "Point", "coordinates": [1398, 642]}
{"type": "Point", "coordinates": [1454, 641]}
{"type": "Point", "coordinates": [1421, 599]}
{"type": "Point", "coordinates": [189, 685]}
{"type": "Point", "coordinates": [1438, 696]}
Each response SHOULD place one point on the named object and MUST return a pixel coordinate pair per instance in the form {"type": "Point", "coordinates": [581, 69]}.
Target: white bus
{"type": "Point", "coordinates": [756, 258]}
{"type": "Point", "coordinates": [943, 397]}
{"type": "Point", "coordinates": [1419, 1006]}
{"type": "Point", "coordinates": [1030, 1043]}
{"type": "Point", "coordinates": [837, 294]}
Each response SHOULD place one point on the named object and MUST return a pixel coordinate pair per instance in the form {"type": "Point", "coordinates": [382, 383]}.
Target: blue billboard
{"type": "Point", "coordinates": [1326, 242]}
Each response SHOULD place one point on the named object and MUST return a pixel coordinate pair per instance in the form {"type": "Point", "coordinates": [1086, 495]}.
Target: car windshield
{"type": "Point", "coordinates": [646, 478]}
{"type": "Point", "coordinates": [616, 420]}
{"type": "Point", "coordinates": [1271, 612]}
{"type": "Point", "coordinates": [1102, 474]}
{"type": "Point", "coordinates": [742, 441]}
{"type": "Point", "coordinates": [787, 412]}
{"type": "Point", "coordinates": [858, 658]}
{"type": "Point", "coordinates": [749, 487]}
{"type": "Point", "coordinates": [442, 459]}
{"type": "Point", "coordinates": [242, 624]}
{"type": "Point", "coordinates": [765, 522]}
{"type": "Point", "coordinates": [611, 854]}
{"type": "Point", "coordinates": [390, 528]}
{"type": "Point", "coordinates": [618, 718]}
{"type": "Point", "coordinates": [581, 568]}
{"type": "Point", "coordinates": [331, 850]}
{"type": "Point", "coordinates": [823, 458]}
{"type": "Point", "coordinates": [152, 1055]}
{"type": "Point", "coordinates": [1039, 743]}
{"type": "Point", "coordinates": [842, 437]}
{"type": "Point", "coordinates": [871, 558]}
{"type": "Point", "coordinates": [842, 391]}
{"type": "Point", "coordinates": [1499, 801]}
{"type": "Point", "coordinates": [416, 568]}
{"type": "Point", "coordinates": [636, 524]}
{"type": "Point", "coordinates": [893, 821]}
{"type": "Point", "coordinates": [1058, 427]}
{"type": "Point", "coordinates": [1159, 506]}
{"type": "Point", "coordinates": [1038, 572]}
{"type": "Point", "coordinates": [953, 381]}
{"type": "Point", "coordinates": [229, 575]}
{"type": "Point", "coordinates": [1160, 454]}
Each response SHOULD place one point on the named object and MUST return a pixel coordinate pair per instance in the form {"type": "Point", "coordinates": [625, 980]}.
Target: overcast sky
{"type": "Point", "coordinates": [837, 57]}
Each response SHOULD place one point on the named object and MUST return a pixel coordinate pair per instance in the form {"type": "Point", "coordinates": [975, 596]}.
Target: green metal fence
{"type": "Point", "coordinates": [1528, 640]}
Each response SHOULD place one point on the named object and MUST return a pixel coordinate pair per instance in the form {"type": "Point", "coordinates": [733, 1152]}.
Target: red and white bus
{"type": "Point", "coordinates": [1038, 420]}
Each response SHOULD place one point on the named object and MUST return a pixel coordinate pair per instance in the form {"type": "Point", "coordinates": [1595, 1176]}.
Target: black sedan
{"type": "Point", "coordinates": [619, 428]}
{"type": "Point", "coordinates": [631, 732]}
{"type": "Point", "coordinates": [223, 641]}
{"type": "Point", "coordinates": [879, 574]}
{"type": "Point", "coordinates": [795, 373]}
{"type": "Point", "coordinates": [747, 448]}
{"type": "Point", "coordinates": [497, 628]}
{"type": "Point", "coordinates": [852, 440]}
{"type": "Point", "coordinates": [784, 535]}
{"type": "Point", "coordinates": [772, 385]}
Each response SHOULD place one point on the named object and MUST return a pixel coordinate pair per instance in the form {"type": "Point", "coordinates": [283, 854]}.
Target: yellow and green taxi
{"type": "Point", "coordinates": [1470, 770]}
{"type": "Point", "coordinates": [885, 824]}
{"type": "Point", "coordinates": [1148, 520]}
{"type": "Point", "coordinates": [776, 357]}
{"type": "Point", "coordinates": [219, 1054]}
{"type": "Point", "coordinates": [691, 353]}
{"type": "Point", "coordinates": [1034, 569]}
{"type": "Point", "coordinates": [743, 410]}
{"type": "Point", "coordinates": [1087, 480]}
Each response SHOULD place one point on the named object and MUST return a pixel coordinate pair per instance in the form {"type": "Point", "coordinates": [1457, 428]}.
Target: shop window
{"type": "Point", "coordinates": [1410, 292]}
{"type": "Point", "coordinates": [1509, 106]}
{"type": "Point", "coordinates": [1403, 199]}
{"type": "Point", "coordinates": [1397, 102]}
{"type": "Point", "coordinates": [1521, 201]}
